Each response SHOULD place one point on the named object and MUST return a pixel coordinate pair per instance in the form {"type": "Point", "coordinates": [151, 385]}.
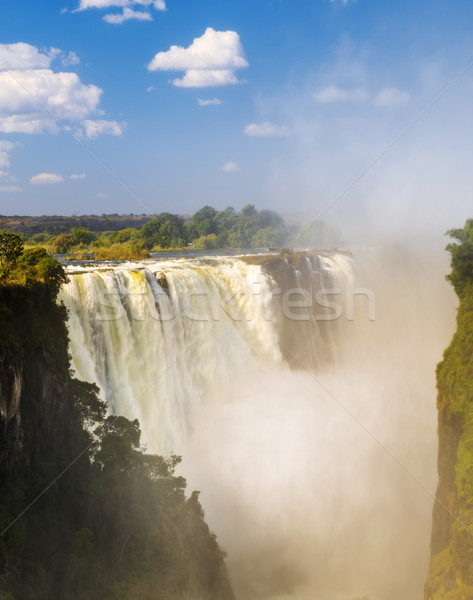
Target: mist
{"type": "Point", "coordinates": [314, 481]}
{"type": "Point", "coordinates": [313, 443]}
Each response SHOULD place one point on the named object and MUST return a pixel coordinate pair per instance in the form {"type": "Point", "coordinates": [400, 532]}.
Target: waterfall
{"type": "Point", "coordinates": [163, 339]}
{"type": "Point", "coordinates": [266, 373]}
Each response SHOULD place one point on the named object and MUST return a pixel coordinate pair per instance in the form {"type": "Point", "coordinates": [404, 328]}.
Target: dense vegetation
{"type": "Point", "coordinates": [451, 570]}
{"type": "Point", "coordinates": [116, 524]}
{"type": "Point", "coordinates": [207, 229]}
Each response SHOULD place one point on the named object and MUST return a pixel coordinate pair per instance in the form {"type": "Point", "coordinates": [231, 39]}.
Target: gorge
{"type": "Point", "coordinates": [287, 410]}
{"type": "Point", "coordinates": [298, 389]}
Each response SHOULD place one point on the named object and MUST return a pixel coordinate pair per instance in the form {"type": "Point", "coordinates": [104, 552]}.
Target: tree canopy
{"type": "Point", "coordinates": [11, 247]}
{"type": "Point", "coordinates": [461, 253]}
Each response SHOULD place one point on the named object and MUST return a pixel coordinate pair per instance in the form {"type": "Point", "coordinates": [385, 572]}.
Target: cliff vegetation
{"type": "Point", "coordinates": [85, 513]}
{"type": "Point", "coordinates": [451, 571]}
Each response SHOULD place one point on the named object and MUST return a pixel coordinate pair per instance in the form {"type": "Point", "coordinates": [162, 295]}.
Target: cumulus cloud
{"type": "Point", "coordinates": [335, 94]}
{"type": "Point", "coordinates": [33, 95]}
{"type": "Point", "coordinates": [46, 178]}
{"type": "Point", "coordinates": [210, 102]}
{"type": "Point", "coordinates": [100, 126]}
{"type": "Point", "coordinates": [128, 9]}
{"type": "Point", "coordinates": [230, 167]}
{"type": "Point", "coordinates": [10, 188]}
{"type": "Point", "coordinates": [77, 176]}
{"type": "Point", "coordinates": [25, 94]}
{"type": "Point", "coordinates": [266, 129]}
{"type": "Point", "coordinates": [391, 97]}
{"type": "Point", "coordinates": [24, 56]}
{"type": "Point", "coordinates": [210, 60]}
{"type": "Point", "coordinates": [126, 15]}
{"type": "Point", "coordinates": [85, 4]}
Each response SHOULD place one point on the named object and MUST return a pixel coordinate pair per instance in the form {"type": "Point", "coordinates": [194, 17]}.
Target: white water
{"type": "Point", "coordinates": [295, 477]}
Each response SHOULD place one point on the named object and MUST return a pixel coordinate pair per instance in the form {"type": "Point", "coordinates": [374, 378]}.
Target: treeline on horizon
{"type": "Point", "coordinates": [206, 229]}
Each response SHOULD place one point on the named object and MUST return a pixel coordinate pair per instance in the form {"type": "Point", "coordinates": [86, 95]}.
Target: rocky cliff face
{"type": "Point", "coordinates": [36, 407]}
{"type": "Point", "coordinates": [451, 571]}
{"type": "Point", "coordinates": [115, 525]}
{"type": "Point", "coordinates": [11, 383]}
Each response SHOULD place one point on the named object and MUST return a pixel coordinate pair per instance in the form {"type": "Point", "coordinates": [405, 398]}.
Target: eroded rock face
{"type": "Point", "coordinates": [451, 570]}
{"type": "Point", "coordinates": [310, 288]}
{"type": "Point", "coordinates": [11, 385]}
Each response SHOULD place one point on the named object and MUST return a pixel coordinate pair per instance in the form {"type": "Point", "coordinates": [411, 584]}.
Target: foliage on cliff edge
{"type": "Point", "coordinates": [451, 571]}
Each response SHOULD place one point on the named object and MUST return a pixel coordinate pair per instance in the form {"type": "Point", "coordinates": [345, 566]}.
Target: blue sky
{"type": "Point", "coordinates": [310, 93]}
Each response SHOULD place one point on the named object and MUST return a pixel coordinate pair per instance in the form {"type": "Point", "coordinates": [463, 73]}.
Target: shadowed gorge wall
{"type": "Point", "coordinates": [84, 513]}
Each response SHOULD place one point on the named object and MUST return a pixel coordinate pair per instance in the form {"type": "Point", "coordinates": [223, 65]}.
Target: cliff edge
{"type": "Point", "coordinates": [85, 513]}
{"type": "Point", "coordinates": [451, 571]}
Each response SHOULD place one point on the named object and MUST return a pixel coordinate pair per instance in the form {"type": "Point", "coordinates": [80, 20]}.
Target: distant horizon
{"type": "Point", "coordinates": [355, 111]}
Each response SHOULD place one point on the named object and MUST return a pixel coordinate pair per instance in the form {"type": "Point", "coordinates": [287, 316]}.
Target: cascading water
{"type": "Point", "coordinates": [163, 339]}
{"type": "Point", "coordinates": [268, 393]}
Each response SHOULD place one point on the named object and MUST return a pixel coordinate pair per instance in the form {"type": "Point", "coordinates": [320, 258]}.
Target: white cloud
{"type": "Point", "coordinates": [77, 176]}
{"type": "Point", "coordinates": [25, 94]}
{"type": "Point", "coordinates": [344, 2]}
{"type": "Point", "coordinates": [5, 148]}
{"type": "Point", "coordinates": [102, 195]}
{"type": "Point", "coordinates": [126, 15]}
{"type": "Point", "coordinates": [391, 97]}
{"type": "Point", "coordinates": [210, 60]}
{"type": "Point", "coordinates": [202, 78]}
{"type": "Point", "coordinates": [210, 102]}
{"type": "Point", "coordinates": [70, 59]}
{"type": "Point", "coordinates": [85, 4]}
{"type": "Point", "coordinates": [266, 129]}
{"type": "Point", "coordinates": [128, 9]}
{"type": "Point", "coordinates": [100, 126]}
{"type": "Point", "coordinates": [150, 88]}
{"type": "Point", "coordinates": [46, 178]}
{"type": "Point", "coordinates": [230, 167]}
{"type": "Point", "coordinates": [335, 94]}
{"type": "Point", "coordinates": [24, 56]}
{"type": "Point", "coordinates": [33, 95]}
{"type": "Point", "coordinates": [10, 188]}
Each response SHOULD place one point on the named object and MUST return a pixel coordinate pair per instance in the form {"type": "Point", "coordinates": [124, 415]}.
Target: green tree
{"type": "Point", "coordinates": [461, 257]}
{"type": "Point", "coordinates": [203, 222]}
{"type": "Point", "coordinates": [266, 237]}
{"type": "Point", "coordinates": [165, 231]}
{"type": "Point", "coordinates": [206, 242]}
{"type": "Point", "coordinates": [35, 264]}
{"type": "Point", "coordinates": [63, 243]}
{"type": "Point", "coordinates": [82, 236]}
{"type": "Point", "coordinates": [11, 247]}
